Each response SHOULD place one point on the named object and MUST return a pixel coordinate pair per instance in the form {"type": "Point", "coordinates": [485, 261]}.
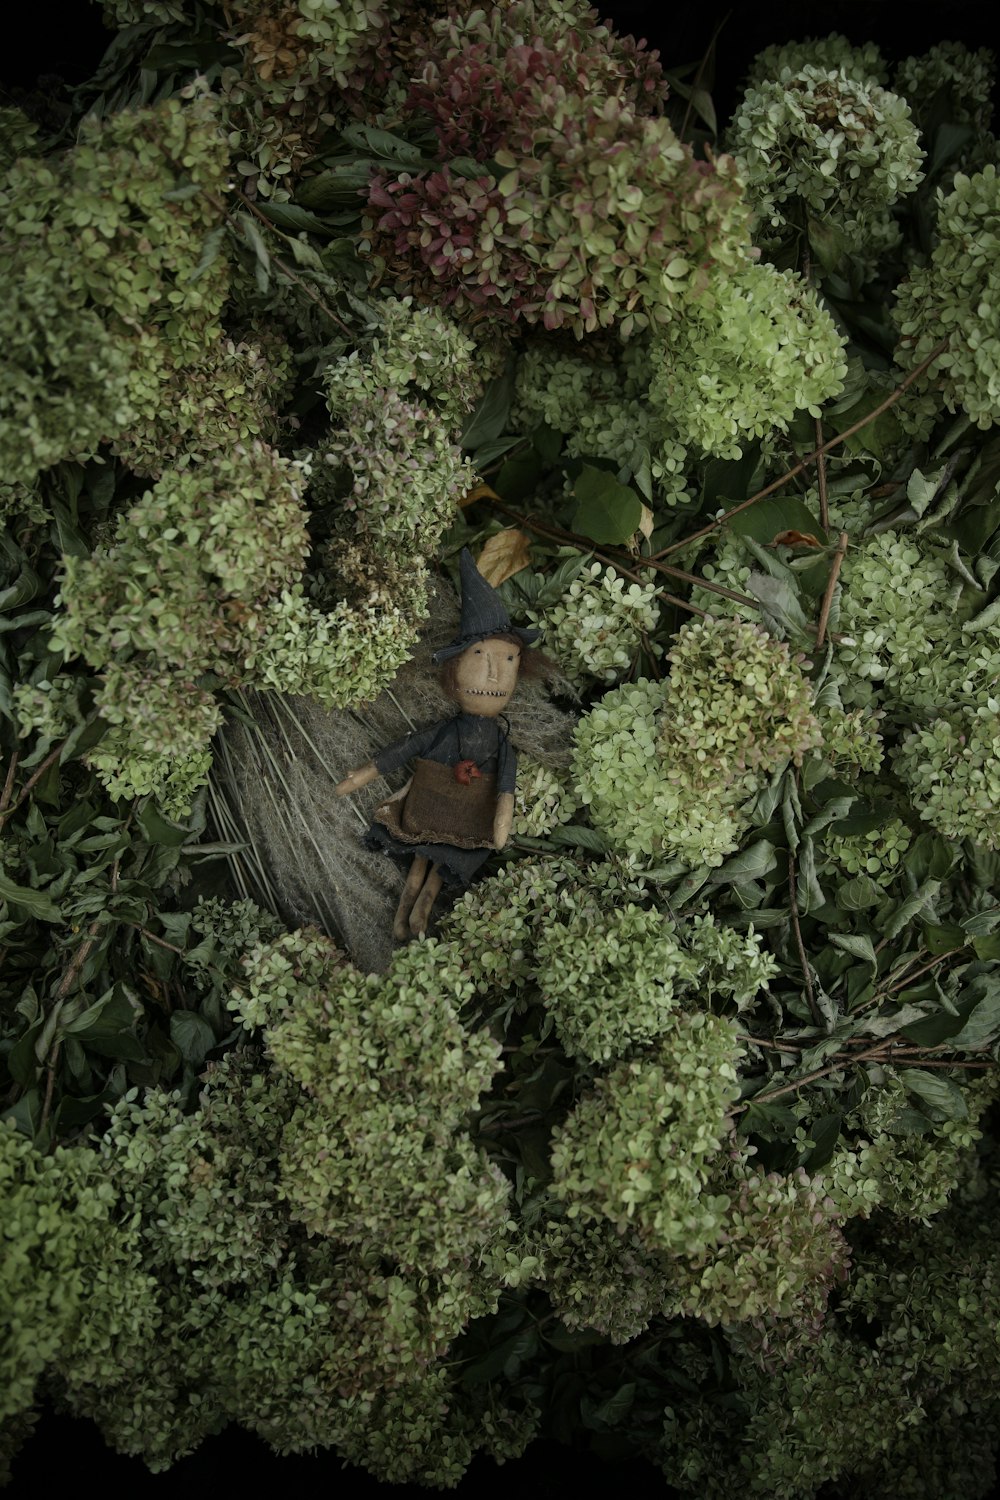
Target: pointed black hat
{"type": "Point", "coordinates": [483, 613]}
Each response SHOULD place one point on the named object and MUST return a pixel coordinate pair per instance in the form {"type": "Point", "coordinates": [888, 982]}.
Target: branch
{"type": "Point", "coordinates": [283, 266]}
{"type": "Point", "coordinates": [32, 781]}
{"type": "Point", "coordinates": [831, 584]}
{"type": "Point", "coordinates": [8, 785]}
{"type": "Point", "coordinates": [810, 458]}
{"type": "Point", "coordinates": [793, 907]}
{"type": "Point", "coordinates": [824, 504]}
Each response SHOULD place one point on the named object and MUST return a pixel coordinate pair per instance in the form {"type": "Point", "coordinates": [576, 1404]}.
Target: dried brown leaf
{"type": "Point", "coordinates": [504, 555]}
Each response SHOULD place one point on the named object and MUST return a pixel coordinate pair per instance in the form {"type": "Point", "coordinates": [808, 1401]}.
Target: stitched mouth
{"type": "Point", "coordinates": [484, 693]}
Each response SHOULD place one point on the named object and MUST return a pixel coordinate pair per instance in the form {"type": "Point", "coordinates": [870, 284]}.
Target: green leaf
{"type": "Point", "coordinates": [749, 864]}
{"type": "Point", "coordinates": [858, 945]}
{"type": "Point", "coordinates": [607, 511]}
{"type": "Point", "coordinates": [940, 1098]}
{"type": "Point", "coordinates": [858, 894]}
{"type": "Point", "coordinates": [294, 219]}
{"type": "Point", "coordinates": [985, 618]}
{"type": "Point", "coordinates": [490, 417]}
{"type": "Point", "coordinates": [987, 947]}
{"type": "Point", "coordinates": [157, 828]}
{"type": "Point", "coordinates": [769, 518]}
{"type": "Point", "coordinates": [192, 1036]}
{"type": "Point", "coordinates": [940, 939]}
{"type": "Point", "coordinates": [609, 1413]}
{"type": "Point", "coordinates": [190, 56]}
{"type": "Point", "coordinates": [824, 1133]}
{"type": "Point", "coordinates": [32, 903]}
{"type": "Point", "coordinates": [577, 836]}
{"type": "Point", "coordinates": [781, 611]}
{"type": "Point", "coordinates": [921, 490]}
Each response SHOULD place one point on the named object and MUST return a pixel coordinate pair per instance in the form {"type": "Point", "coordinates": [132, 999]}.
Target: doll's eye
{"type": "Point", "coordinates": [510, 658]}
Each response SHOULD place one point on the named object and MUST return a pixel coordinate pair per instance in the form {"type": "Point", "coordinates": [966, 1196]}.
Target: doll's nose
{"type": "Point", "coordinates": [491, 667]}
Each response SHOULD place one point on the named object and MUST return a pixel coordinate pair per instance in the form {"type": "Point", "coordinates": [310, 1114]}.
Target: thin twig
{"type": "Point", "coordinates": [8, 785]}
{"type": "Point", "coordinates": [161, 942]}
{"type": "Point", "coordinates": [881, 1052]}
{"type": "Point", "coordinates": [614, 559]}
{"type": "Point", "coordinates": [33, 781]}
{"type": "Point", "coordinates": [831, 584]}
{"type": "Point", "coordinates": [824, 504]}
{"type": "Point", "coordinates": [810, 458]}
{"type": "Point", "coordinates": [793, 907]}
{"type": "Point", "coordinates": [908, 979]}
{"type": "Point", "coordinates": [283, 265]}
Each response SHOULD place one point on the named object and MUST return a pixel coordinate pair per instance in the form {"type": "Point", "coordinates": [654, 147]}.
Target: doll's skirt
{"type": "Point", "coordinates": [457, 866]}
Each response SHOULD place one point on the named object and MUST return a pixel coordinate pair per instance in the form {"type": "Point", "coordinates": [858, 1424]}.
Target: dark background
{"type": "Point", "coordinates": [67, 44]}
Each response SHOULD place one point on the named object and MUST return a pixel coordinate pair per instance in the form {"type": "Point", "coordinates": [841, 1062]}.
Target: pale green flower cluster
{"type": "Point", "coordinates": [597, 1277]}
{"type": "Point", "coordinates": [377, 1152]}
{"type": "Point", "coordinates": [418, 352]}
{"type": "Point", "coordinates": [54, 1210]}
{"type": "Point", "coordinates": [833, 53]}
{"type": "Point", "coordinates": [637, 1149]}
{"type": "Point", "coordinates": [780, 1255]}
{"type": "Point", "coordinates": [600, 405]}
{"type": "Point", "coordinates": [738, 700]}
{"type": "Point", "coordinates": [596, 628]}
{"type": "Point", "coordinates": [878, 853]}
{"type": "Point", "coordinates": [956, 296]}
{"type": "Point", "coordinates": [895, 624]}
{"type": "Point", "coordinates": [114, 297]}
{"type": "Point", "coordinates": [408, 473]}
{"type": "Point", "coordinates": [544, 799]}
{"type": "Point", "coordinates": [180, 592]}
{"type": "Point", "coordinates": [951, 768]}
{"type": "Point", "coordinates": [48, 708]}
{"type": "Point", "coordinates": [619, 777]}
{"type": "Point", "coordinates": [339, 656]}
{"type": "Point", "coordinates": [665, 767]}
{"type": "Point", "coordinates": [916, 1333]}
{"type": "Point", "coordinates": [838, 146]}
{"type": "Point", "coordinates": [157, 742]}
{"type": "Point", "coordinates": [292, 50]}
{"type": "Point", "coordinates": [851, 741]}
{"type": "Point", "coordinates": [952, 69]}
{"type": "Point", "coordinates": [755, 348]}
{"type": "Point", "coordinates": [913, 1177]}
{"type": "Point", "coordinates": [18, 136]}
{"type": "Point", "coordinates": [612, 979]}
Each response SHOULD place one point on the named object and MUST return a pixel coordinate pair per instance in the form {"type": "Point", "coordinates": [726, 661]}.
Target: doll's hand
{"type": "Point", "coordinates": [357, 779]}
{"type": "Point", "coordinates": [503, 818]}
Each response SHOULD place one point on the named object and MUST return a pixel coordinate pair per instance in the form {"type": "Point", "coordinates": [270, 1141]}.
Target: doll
{"type": "Point", "coordinates": [459, 802]}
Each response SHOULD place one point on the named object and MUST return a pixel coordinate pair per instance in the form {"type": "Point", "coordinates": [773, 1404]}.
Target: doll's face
{"type": "Point", "coordinates": [486, 675]}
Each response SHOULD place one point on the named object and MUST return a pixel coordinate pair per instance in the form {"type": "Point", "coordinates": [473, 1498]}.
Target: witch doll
{"type": "Point", "coordinates": [458, 805]}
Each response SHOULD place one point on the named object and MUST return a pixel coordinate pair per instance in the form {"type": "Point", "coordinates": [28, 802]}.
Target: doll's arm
{"type": "Point", "coordinates": [357, 779]}
{"type": "Point", "coordinates": [502, 818]}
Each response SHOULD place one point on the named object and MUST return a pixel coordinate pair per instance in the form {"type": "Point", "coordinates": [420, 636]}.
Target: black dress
{"type": "Point", "coordinates": [465, 738]}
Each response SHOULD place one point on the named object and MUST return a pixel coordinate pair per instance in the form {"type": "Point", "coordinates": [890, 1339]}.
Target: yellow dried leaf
{"type": "Point", "coordinates": [478, 492]}
{"type": "Point", "coordinates": [504, 555]}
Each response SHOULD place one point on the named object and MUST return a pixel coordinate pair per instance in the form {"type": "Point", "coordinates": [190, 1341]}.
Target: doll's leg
{"type": "Point", "coordinates": [414, 880]}
{"type": "Point", "coordinates": [420, 915]}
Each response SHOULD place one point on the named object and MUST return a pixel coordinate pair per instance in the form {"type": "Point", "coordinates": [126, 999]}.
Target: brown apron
{"type": "Point", "coordinates": [437, 809]}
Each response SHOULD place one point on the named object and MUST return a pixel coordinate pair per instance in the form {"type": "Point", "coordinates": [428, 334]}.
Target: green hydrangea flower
{"type": "Point", "coordinates": [756, 347]}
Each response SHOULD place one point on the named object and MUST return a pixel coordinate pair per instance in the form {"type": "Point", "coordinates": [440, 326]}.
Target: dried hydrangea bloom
{"type": "Point", "coordinates": [842, 148]}
{"type": "Point", "coordinates": [956, 296]}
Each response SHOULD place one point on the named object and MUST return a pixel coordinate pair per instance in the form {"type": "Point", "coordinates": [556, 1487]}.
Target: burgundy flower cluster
{"type": "Point", "coordinates": [562, 195]}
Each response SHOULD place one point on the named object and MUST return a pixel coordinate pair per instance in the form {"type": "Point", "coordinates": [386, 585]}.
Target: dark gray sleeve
{"type": "Point", "coordinates": [506, 767]}
{"type": "Point", "coordinates": [394, 756]}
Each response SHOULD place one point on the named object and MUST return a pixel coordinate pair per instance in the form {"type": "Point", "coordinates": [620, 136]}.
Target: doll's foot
{"type": "Point", "coordinates": [411, 889]}
{"type": "Point", "coordinates": [421, 913]}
